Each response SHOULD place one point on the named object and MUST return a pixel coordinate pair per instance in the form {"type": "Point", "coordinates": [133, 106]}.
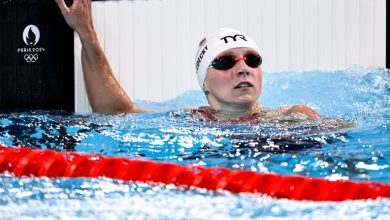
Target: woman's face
{"type": "Point", "coordinates": [240, 86]}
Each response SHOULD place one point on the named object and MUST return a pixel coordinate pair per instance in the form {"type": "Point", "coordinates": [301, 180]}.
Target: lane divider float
{"type": "Point", "coordinates": [47, 163]}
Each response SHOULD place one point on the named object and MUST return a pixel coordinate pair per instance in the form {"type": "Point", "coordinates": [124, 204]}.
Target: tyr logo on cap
{"type": "Point", "coordinates": [233, 37]}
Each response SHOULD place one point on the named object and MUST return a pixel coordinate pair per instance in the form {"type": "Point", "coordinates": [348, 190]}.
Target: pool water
{"type": "Point", "coordinates": [292, 146]}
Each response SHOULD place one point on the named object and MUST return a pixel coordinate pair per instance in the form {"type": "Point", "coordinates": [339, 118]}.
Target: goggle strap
{"type": "Point", "coordinates": [240, 58]}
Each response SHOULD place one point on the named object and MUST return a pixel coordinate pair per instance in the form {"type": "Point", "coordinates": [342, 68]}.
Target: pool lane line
{"type": "Point", "coordinates": [21, 162]}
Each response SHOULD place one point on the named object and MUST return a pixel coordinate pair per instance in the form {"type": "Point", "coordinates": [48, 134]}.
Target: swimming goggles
{"type": "Point", "coordinates": [227, 62]}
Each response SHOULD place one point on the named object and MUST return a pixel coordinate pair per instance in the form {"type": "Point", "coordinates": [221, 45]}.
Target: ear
{"type": "Point", "coordinates": [206, 89]}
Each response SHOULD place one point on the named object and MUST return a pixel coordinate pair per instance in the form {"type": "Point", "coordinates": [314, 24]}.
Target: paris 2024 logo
{"type": "Point", "coordinates": [31, 36]}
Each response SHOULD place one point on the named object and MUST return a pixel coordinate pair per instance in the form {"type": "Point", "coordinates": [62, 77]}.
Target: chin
{"type": "Point", "coordinates": [245, 100]}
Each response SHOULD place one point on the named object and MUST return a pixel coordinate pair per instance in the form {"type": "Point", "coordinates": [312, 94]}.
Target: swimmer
{"type": "Point", "coordinates": [227, 63]}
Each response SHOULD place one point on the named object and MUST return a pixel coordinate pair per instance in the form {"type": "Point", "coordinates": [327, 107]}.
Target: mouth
{"type": "Point", "coordinates": [243, 85]}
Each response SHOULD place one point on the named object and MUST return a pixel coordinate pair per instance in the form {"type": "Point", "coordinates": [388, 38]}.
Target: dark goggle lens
{"type": "Point", "coordinates": [253, 60]}
{"type": "Point", "coordinates": [227, 62]}
{"type": "Point", "coordinates": [223, 63]}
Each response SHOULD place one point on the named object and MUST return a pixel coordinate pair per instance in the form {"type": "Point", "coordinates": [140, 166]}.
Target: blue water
{"type": "Point", "coordinates": [358, 95]}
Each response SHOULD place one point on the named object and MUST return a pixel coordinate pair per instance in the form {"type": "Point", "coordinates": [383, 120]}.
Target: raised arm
{"type": "Point", "coordinates": [104, 92]}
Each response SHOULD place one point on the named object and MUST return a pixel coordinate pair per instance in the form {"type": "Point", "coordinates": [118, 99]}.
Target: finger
{"type": "Point", "coordinates": [63, 7]}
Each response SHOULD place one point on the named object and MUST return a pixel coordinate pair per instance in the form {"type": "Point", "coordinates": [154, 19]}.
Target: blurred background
{"type": "Point", "coordinates": [151, 44]}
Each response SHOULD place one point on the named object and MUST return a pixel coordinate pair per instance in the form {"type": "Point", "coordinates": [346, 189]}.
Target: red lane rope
{"type": "Point", "coordinates": [28, 162]}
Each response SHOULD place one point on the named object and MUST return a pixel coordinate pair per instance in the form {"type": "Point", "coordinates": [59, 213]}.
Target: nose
{"type": "Point", "coordinates": [242, 70]}
{"type": "Point", "coordinates": [243, 73]}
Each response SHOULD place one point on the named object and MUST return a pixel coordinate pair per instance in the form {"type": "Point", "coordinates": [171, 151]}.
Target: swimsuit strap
{"type": "Point", "coordinates": [205, 113]}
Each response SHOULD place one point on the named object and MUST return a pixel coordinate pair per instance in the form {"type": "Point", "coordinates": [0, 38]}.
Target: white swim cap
{"type": "Point", "coordinates": [215, 43]}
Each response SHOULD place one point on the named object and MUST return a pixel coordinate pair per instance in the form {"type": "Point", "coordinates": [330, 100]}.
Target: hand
{"type": "Point", "coordinates": [78, 15]}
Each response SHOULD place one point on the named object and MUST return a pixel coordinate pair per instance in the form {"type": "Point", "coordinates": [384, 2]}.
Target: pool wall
{"type": "Point", "coordinates": [151, 44]}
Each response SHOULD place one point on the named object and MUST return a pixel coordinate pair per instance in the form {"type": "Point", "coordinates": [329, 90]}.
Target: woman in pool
{"type": "Point", "coordinates": [228, 67]}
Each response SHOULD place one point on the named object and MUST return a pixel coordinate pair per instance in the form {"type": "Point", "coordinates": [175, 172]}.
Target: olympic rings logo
{"type": "Point", "coordinates": [31, 58]}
